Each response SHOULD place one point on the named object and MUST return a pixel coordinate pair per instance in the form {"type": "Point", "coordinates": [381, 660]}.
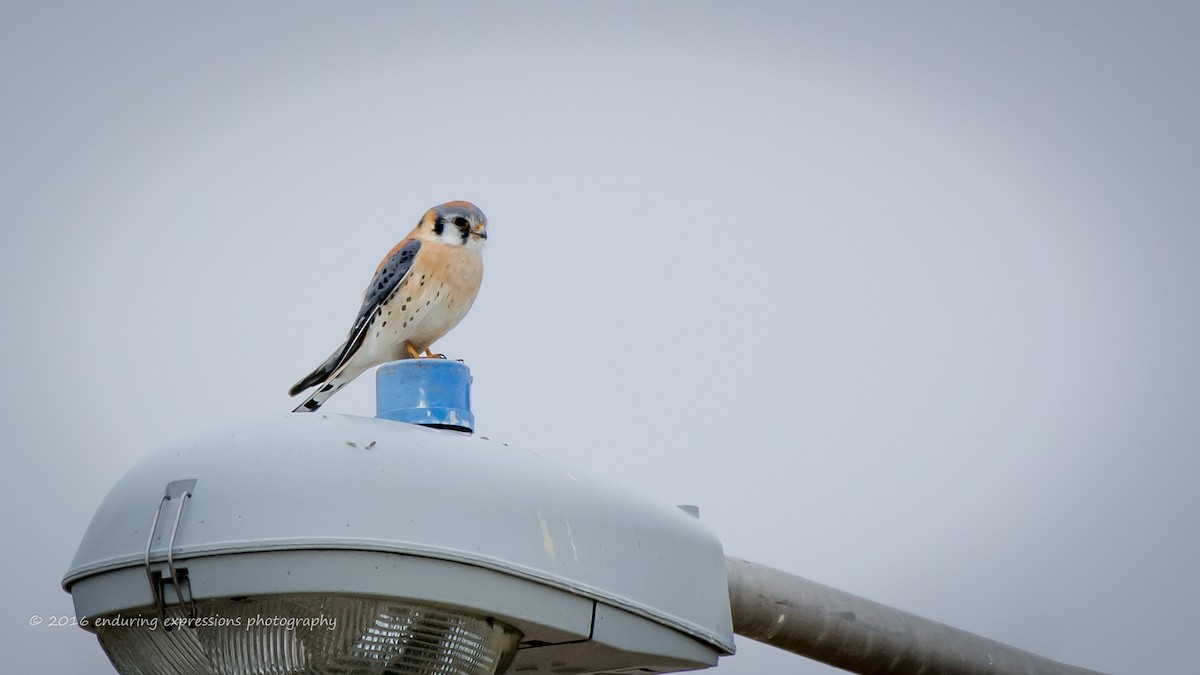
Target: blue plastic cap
{"type": "Point", "coordinates": [429, 392]}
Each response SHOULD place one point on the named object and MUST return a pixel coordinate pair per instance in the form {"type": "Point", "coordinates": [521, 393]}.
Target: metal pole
{"type": "Point", "coordinates": [861, 636]}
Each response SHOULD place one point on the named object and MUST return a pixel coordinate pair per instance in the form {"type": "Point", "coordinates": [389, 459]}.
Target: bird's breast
{"type": "Point", "coordinates": [432, 299]}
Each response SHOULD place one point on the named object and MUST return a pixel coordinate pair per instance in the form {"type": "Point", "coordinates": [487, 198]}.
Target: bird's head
{"type": "Point", "coordinates": [454, 224]}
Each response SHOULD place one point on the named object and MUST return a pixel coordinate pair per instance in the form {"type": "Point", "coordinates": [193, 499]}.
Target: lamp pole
{"type": "Point", "coordinates": [861, 636]}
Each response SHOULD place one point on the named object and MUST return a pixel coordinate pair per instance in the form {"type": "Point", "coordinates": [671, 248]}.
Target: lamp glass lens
{"type": "Point", "coordinates": [309, 635]}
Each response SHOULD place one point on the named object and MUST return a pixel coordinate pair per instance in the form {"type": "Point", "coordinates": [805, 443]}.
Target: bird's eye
{"type": "Point", "coordinates": [461, 223]}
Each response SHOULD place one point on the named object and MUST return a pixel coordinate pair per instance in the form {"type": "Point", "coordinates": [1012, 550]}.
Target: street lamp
{"type": "Point", "coordinates": [326, 543]}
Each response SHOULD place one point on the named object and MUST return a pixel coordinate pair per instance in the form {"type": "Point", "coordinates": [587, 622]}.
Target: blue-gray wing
{"type": "Point", "coordinates": [389, 276]}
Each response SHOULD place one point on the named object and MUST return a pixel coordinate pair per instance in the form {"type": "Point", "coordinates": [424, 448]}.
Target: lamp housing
{"type": "Point", "coordinates": [321, 543]}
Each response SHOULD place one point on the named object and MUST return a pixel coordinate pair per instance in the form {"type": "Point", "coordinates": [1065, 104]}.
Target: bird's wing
{"type": "Point", "coordinates": [389, 275]}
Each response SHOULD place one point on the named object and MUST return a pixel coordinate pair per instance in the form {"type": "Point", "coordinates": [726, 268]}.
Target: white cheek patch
{"type": "Point", "coordinates": [451, 237]}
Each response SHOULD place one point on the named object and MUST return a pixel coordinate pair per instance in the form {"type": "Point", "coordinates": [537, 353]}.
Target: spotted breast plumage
{"type": "Point", "coordinates": [421, 290]}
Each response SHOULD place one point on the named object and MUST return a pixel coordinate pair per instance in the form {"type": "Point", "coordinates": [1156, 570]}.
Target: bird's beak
{"type": "Point", "coordinates": [480, 232]}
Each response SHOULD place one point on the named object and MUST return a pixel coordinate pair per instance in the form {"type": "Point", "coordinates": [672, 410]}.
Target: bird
{"type": "Point", "coordinates": [422, 289]}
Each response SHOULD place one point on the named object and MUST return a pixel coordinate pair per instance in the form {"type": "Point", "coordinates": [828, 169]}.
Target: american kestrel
{"type": "Point", "coordinates": [421, 290]}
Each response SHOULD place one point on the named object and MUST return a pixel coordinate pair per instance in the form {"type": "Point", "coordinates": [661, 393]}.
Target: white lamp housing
{"type": "Point", "coordinates": [323, 543]}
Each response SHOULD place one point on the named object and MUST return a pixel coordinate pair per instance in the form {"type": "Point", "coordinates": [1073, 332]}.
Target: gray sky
{"type": "Point", "coordinates": [904, 297]}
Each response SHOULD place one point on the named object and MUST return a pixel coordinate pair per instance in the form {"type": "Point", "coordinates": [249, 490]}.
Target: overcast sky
{"type": "Point", "coordinates": [904, 296]}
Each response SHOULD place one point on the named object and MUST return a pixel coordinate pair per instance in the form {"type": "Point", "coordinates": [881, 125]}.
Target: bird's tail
{"type": "Point", "coordinates": [323, 392]}
{"type": "Point", "coordinates": [319, 375]}
{"type": "Point", "coordinates": [329, 377]}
